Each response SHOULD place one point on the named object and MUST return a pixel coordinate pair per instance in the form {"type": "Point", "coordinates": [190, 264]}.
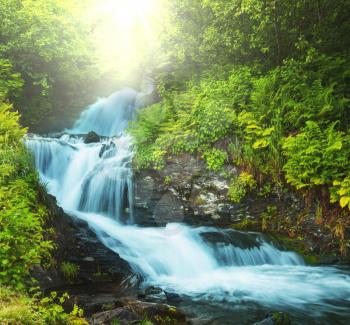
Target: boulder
{"type": "Point", "coordinates": [135, 311]}
{"type": "Point", "coordinates": [92, 137]}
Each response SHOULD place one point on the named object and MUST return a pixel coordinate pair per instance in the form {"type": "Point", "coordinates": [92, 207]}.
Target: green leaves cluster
{"type": "Point", "coordinates": [341, 192]}
{"type": "Point", "coordinates": [49, 46]}
{"type": "Point", "coordinates": [316, 157]}
{"type": "Point", "coordinates": [203, 33]}
{"type": "Point", "coordinates": [240, 186]}
{"type": "Point", "coordinates": [19, 308]}
{"type": "Point", "coordinates": [22, 217]}
{"type": "Point", "coordinates": [287, 125]}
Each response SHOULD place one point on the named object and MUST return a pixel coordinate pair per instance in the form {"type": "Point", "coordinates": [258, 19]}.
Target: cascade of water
{"type": "Point", "coordinates": [108, 116]}
{"type": "Point", "coordinates": [94, 183]}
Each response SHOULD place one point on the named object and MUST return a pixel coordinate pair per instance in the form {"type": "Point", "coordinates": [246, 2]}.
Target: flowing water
{"type": "Point", "coordinates": [215, 272]}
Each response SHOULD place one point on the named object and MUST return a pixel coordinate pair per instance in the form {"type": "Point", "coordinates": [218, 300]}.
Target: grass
{"type": "Point", "coordinates": [17, 308]}
{"type": "Point", "coordinates": [69, 270]}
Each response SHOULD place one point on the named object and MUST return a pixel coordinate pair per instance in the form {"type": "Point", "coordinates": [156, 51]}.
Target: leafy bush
{"type": "Point", "coordinates": [289, 124]}
{"type": "Point", "coordinates": [341, 192]}
{"type": "Point", "coordinates": [19, 308]}
{"type": "Point", "coordinates": [52, 312]}
{"type": "Point", "coordinates": [194, 120]}
{"type": "Point", "coordinates": [316, 157]}
{"type": "Point", "coordinates": [240, 186]}
{"type": "Point", "coordinates": [22, 237]}
{"type": "Point", "coordinates": [145, 134]}
{"type": "Point", "coordinates": [215, 158]}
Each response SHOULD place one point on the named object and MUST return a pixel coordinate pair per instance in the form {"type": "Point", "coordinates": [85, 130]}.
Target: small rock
{"type": "Point", "coordinates": [266, 321]}
{"type": "Point", "coordinates": [89, 259]}
{"type": "Point", "coordinates": [92, 137]}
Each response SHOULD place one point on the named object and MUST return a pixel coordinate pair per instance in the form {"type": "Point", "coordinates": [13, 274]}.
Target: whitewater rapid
{"type": "Point", "coordinates": [93, 182]}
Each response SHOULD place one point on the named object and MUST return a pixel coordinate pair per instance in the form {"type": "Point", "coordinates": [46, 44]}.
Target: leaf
{"type": "Point", "coordinates": [261, 143]}
{"type": "Point", "coordinates": [268, 131]}
{"type": "Point", "coordinates": [344, 201]}
{"type": "Point", "coordinates": [335, 146]}
{"type": "Point", "coordinates": [343, 191]}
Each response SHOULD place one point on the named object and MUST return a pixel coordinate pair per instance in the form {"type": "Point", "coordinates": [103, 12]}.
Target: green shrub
{"type": "Point", "coordinates": [19, 308]}
{"type": "Point", "coordinates": [22, 217]}
{"type": "Point", "coordinates": [316, 157]}
{"type": "Point", "coordinates": [341, 192]}
{"type": "Point", "coordinates": [215, 158]}
{"type": "Point", "coordinates": [240, 186]}
{"type": "Point", "coordinates": [52, 312]}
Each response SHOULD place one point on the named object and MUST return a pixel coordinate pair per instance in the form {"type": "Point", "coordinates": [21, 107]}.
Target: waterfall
{"type": "Point", "coordinates": [93, 182]}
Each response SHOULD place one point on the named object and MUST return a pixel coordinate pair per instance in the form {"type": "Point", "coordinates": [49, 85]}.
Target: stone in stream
{"type": "Point", "coordinates": [92, 137]}
{"type": "Point", "coordinates": [136, 311]}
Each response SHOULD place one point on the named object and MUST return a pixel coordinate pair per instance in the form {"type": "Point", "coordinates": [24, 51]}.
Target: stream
{"type": "Point", "coordinates": [230, 276]}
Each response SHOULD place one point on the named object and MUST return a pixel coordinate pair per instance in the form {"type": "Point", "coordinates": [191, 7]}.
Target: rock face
{"type": "Point", "coordinates": [102, 276]}
{"type": "Point", "coordinates": [92, 137]}
{"type": "Point", "coordinates": [181, 192]}
{"type": "Point", "coordinates": [189, 193]}
{"type": "Point", "coordinates": [185, 191]}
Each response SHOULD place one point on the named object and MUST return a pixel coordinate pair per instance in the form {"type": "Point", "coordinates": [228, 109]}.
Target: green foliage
{"type": "Point", "coordinates": [146, 322]}
{"type": "Point", "coordinates": [69, 270]}
{"type": "Point", "coordinates": [145, 134]}
{"type": "Point", "coordinates": [115, 322]}
{"type": "Point", "coordinates": [194, 120]}
{"type": "Point", "coordinates": [341, 192]}
{"type": "Point", "coordinates": [316, 157]}
{"type": "Point", "coordinates": [215, 158]}
{"type": "Point", "coordinates": [19, 308]}
{"type": "Point", "coordinates": [203, 33]}
{"type": "Point", "coordinates": [281, 319]}
{"type": "Point", "coordinates": [10, 82]}
{"type": "Point", "coordinates": [52, 312]}
{"type": "Point", "coordinates": [167, 180]}
{"type": "Point", "coordinates": [22, 237]}
{"type": "Point", "coordinates": [266, 216]}
{"type": "Point", "coordinates": [240, 186]}
{"type": "Point", "coordinates": [48, 44]}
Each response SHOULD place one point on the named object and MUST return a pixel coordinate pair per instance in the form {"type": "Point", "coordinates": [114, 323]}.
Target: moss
{"type": "Point", "coordinates": [246, 224]}
{"type": "Point", "coordinates": [167, 180]}
{"type": "Point", "coordinates": [281, 319]}
{"type": "Point", "coordinates": [299, 246]}
{"type": "Point", "coordinates": [199, 201]}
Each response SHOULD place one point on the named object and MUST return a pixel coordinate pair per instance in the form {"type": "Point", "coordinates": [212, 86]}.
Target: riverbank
{"type": "Point", "coordinates": [186, 191]}
{"type": "Point", "coordinates": [101, 282]}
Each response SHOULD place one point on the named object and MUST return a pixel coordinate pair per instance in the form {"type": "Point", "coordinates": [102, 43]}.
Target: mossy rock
{"type": "Point", "coordinates": [299, 246]}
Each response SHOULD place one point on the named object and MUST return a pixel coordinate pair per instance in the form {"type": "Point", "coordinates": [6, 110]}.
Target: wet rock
{"type": "Point", "coordinates": [102, 278]}
{"type": "Point", "coordinates": [234, 238]}
{"type": "Point", "coordinates": [136, 311]}
{"type": "Point", "coordinates": [152, 294]}
{"type": "Point", "coordinates": [277, 318]}
{"type": "Point", "coordinates": [185, 189]}
{"type": "Point", "coordinates": [171, 296]}
{"type": "Point", "coordinates": [266, 321]}
{"type": "Point", "coordinates": [123, 316]}
{"type": "Point", "coordinates": [92, 137]}
{"type": "Point", "coordinates": [106, 150]}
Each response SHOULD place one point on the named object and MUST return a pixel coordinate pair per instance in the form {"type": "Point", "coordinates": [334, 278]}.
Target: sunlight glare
{"type": "Point", "coordinates": [126, 31]}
